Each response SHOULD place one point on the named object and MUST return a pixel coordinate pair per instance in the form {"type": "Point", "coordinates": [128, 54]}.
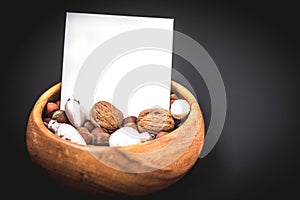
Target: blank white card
{"type": "Point", "coordinates": [125, 60]}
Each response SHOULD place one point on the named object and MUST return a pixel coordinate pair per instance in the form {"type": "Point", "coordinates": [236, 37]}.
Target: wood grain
{"type": "Point", "coordinates": [114, 171]}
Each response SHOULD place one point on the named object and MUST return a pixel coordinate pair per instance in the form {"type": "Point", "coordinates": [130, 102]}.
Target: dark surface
{"type": "Point", "coordinates": [256, 48]}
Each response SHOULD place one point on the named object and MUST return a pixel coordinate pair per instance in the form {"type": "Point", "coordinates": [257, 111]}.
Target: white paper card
{"type": "Point", "coordinates": [125, 60]}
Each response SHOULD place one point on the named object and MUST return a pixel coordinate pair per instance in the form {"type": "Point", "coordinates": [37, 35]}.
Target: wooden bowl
{"type": "Point", "coordinates": [116, 171]}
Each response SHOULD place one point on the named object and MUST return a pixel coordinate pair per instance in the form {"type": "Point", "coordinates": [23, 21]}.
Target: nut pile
{"type": "Point", "coordinates": [108, 127]}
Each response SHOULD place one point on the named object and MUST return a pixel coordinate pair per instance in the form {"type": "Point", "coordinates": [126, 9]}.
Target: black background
{"type": "Point", "coordinates": [256, 48]}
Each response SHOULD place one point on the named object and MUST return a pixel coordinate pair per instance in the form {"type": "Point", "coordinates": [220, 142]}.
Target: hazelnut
{"type": "Point", "coordinates": [87, 136]}
{"type": "Point", "coordinates": [50, 108]}
{"type": "Point", "coordinates": [129, 119]}
{"type": "Point", "coordinates": [60, 116]}
{"type": "Point", "coordinates": [161, 134]}
{"type": "Point", "coordinates": [88, 124]}
{"type": "Point", "coordinates": [58, 103]}
{"type": "Point", "coordinates": [47, 119]}
{"type": "Point", "coordinates": [173, 96]}
{"type": "Point", "coordinates": [171, 101]}
{"type": "Point", "coordinates": [101, 137]}
{"type": "Point", "coordinates": [131, 124]}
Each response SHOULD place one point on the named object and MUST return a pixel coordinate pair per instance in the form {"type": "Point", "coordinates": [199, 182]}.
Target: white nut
{"type": "Point", "coordinates": [75, 113]}
{"type": "Point", "coordinates": [66, 131]}
{"type": "Point", "coordinates": [180, 108]}
{"type": "Point", "coordinates": [127, 136]}
{"type": "Point", "coordinates": [145, 136]}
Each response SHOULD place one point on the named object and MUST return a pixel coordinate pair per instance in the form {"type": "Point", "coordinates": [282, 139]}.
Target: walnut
{"type": "Point", "coordinates": [105, 115]}
{"type": "Point", "coordinates": [155, 120]}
